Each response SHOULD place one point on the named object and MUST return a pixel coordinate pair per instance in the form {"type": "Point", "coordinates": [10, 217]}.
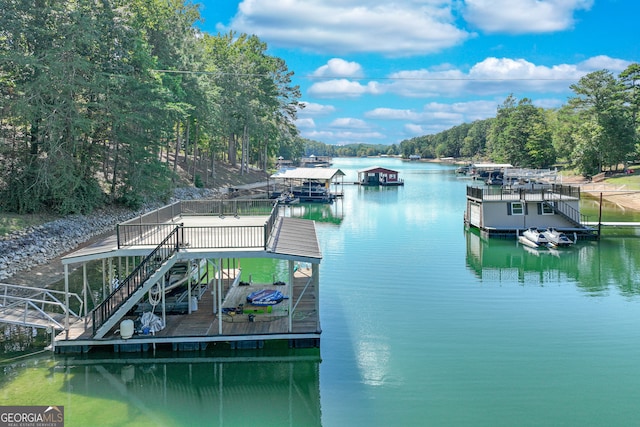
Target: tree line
{"type": "Point", "coordinates": [597, 129]}
{"type": "Point", "coordinates": [99, 98]}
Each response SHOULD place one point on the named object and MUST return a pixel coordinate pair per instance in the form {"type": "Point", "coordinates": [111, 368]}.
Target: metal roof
{"type": "Point", "coordinates": [491, 165]}
{"type": "Point", "coordinates": [296, 237]}
{"type": "Point", "coordinates": [325, 174]}
{"type": "Point", "coordinates": [380, 168]}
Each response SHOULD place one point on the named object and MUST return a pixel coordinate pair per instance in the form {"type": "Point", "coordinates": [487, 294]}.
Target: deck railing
{"type": "Point", "coordinates": [224, 237]}
{"type": "Point", "coordinates": [157, 216]}
{"type": "Point", "coordinates": [224, 207]}
{"type": "Point", "coordinates": [151, 234]}
{"type": "Point", "coordinates": [136, 279]}
{"type": "Point", "coordinates": [548, 192]}
{"type": "Point", "coordinates": [147, 231]}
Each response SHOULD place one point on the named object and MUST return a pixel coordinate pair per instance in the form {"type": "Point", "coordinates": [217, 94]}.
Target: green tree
{"type": "Point", "coordinates": [606, 126]}
{"type": "Point", "coordinates": [520, 135]}
{"type": "Point", "coordinates": [630, 79]}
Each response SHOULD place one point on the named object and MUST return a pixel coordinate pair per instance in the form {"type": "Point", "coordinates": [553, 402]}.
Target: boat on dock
{"type": "Point", "coordinates": [307, 185]}
{"type": "Point", "coordinates": [557, 238]}
{"type": "Point", "coordinates": [505, 211]}
{"type": "Point", "coordinates": [288, 198]}
{"type": "Point", "coordinates": [534, 237]}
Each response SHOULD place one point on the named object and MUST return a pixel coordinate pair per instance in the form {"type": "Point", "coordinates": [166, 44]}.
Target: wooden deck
{"type": "Point", "coordinates": [213, 230]}
{"type": "Point", "coordinates": [203, 325]}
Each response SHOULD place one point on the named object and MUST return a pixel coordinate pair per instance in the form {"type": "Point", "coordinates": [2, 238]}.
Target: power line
{"type": "Point", "coordinates": [309, 76]}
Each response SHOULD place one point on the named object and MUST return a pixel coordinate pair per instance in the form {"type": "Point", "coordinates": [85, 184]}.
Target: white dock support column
{"type": "Point", "coordinates": [104, 277]}
{"type": "Point", "coordinates": [290, 300]}
{"type": "Point", "coordinates": [164, 306]}
{"type": "Point", "coordinates": [85, 286]}
{"type": "Point", "coordinates": [66, 300]}
{"type": "Point", "coordinates": [315, 276]}
{"type": "Point", "coordinates": [189, 287]}
{"type": "Point", "coordinates": [219, 297]}
{"type": "Point", "coordinates": [111, 276]}
{"type": "Point", "coordinates": [214, 285]}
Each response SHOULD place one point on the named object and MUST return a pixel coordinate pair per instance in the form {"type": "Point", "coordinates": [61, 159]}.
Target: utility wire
{"type": "Point", "coordinates": [482, 79]}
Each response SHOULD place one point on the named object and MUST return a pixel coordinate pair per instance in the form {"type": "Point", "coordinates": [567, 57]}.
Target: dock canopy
{"type": "Point", "coordinates": [308, 184]}
{"type": "Point", "coordinates": [319, 174]}
{"type": "Point", "coordinates": [491, 165]}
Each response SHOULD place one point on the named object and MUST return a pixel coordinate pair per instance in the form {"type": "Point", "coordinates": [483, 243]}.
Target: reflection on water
{"type": "Point", "coordinates": [423, 323]}
{"type": "Point", "coordinates": [590, 206]}
{"type": "Point", "coordinates": [332, 213]}
{"type": "Point", "coordinates": [259, 389]}
{"type": "Point", "coordinates": [16, 340]}
{"type": "Point", "coordinates": [595, 267]}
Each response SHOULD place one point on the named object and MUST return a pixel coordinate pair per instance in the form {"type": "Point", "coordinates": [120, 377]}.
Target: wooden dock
{"type": "Point", "coordinates": [195, 330]}
{"type": "Point", "coordinates": [220, 232]}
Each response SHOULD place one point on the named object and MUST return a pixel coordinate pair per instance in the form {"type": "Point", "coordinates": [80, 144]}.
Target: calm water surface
{"type": "Point", "coordinates": [423, 323]}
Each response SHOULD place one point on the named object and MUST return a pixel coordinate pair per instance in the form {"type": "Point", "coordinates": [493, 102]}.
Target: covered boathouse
{"type": "Point", "coordinates": [377, 175]}
{"type": "Point", "coordinates": [214, 235]}
{"type": "Point", "coordinates": [507, 211]}
{"type": "Point", "coordinates": [322, 185]}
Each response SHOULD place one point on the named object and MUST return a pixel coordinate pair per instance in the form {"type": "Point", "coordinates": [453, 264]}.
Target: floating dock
{"type": "Point", "coordinates": [214, 233]}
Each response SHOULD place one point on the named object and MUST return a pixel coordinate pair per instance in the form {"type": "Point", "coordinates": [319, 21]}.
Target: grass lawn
{"type": "Point", "coordinates": [632, 180]}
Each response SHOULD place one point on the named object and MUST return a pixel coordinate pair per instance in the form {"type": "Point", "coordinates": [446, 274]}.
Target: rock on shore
{"type": "Point", "coordinates": [37, 245]}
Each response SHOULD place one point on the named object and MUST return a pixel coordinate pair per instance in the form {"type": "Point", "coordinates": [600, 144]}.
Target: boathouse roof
{"type": "Point", "coordinates": [377, 169]}
{"type": "Point", "coordinates": [325, 174]}
{"type": "Point", "coordinates": [491, 165]}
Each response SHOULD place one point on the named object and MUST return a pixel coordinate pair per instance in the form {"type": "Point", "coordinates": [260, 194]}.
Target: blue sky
{"type": "Point", "coordinates": [380, 72]}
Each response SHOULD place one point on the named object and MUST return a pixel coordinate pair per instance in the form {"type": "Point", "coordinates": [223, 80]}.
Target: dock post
{"type": "Point", "coordinates": [600, 217]}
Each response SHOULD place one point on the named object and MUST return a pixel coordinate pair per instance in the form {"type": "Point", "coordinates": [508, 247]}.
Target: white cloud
{"type": "Point", "coordinates": [390, 28]}
{"type": "Point", "coordinates": [343, 88]}
{"type": "Point", "coordinates": [343, 137]}
{"type": "Point", "coordinates": [392, 114]}
{"type": "Point", "coordinates": [447, 115]}
{"type": "Point", "coordinates": [604, 62]}
{"type": "Point", "coordinates": [495, 76]}
{"type": "Point", "coordinates": [305, 123]}
{"type": "Point", "coordinates": [427, 83]}
{"type": "Point", "coordinates": [348, 123]}
{"type": "Point", "coordinates": [523, 16]}
{"type": "Point", "coordinates": [415, 130]}
{"type": "Point", "coordinates": [314, 109]}
{"type": "Point", "coordinates": [337, 67]}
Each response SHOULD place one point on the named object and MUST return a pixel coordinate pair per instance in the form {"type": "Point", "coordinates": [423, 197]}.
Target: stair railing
{"type": "Point", "coordinates": [123, 291]}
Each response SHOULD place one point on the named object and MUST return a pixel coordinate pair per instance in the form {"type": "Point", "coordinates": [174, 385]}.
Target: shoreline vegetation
{"type": "Point", "coordinates": [622, 192]}
{"type": "Point", "coordinates": [31, 246]}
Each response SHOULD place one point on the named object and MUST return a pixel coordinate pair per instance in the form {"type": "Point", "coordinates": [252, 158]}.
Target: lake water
{"type": "Point", "coordinates": [424, 323]}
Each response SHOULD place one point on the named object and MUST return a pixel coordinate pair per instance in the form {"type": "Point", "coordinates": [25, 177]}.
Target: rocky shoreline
{"type": "Point", "coordinates": [38, 245]}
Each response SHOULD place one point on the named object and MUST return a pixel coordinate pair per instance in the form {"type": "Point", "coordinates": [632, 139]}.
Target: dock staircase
{"type": "Point", "coordinates": [133, 288]}
{"type": "Point", "coordinates": [567, 212]}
